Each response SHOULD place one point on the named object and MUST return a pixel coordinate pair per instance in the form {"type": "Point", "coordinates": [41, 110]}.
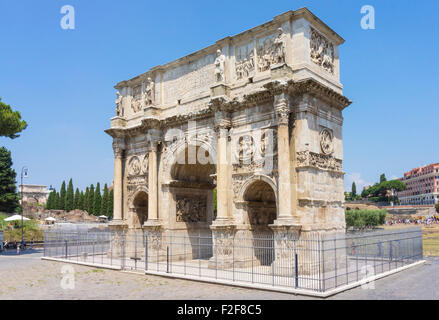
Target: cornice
{"type": "Point", "coordinates": [224, 104]}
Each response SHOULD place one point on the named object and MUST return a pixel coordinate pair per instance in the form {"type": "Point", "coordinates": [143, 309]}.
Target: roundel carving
{"type": "Point", "coordinates": [134, 166]}
{"type": "Point", "coordinates": [326, 141]}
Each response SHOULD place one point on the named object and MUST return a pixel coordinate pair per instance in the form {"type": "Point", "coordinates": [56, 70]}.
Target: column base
{"type": "Point", "coordinates": [117, 225]}
{"type": "Point", "coordinates": [223, 231]}
{"type": "Point", "coordinates": [152, 225]}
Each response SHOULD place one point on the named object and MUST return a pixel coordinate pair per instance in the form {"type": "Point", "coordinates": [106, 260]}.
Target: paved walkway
{"type": "Point", "coordinates": [28, 277]}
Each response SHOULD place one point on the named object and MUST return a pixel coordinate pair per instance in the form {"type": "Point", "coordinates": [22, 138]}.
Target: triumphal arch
{"type": "Point", "coordinates": [254, 120]}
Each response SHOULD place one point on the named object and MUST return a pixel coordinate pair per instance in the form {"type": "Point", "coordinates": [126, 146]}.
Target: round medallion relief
{"type": "Point", "coordinates": [134, 166]}
{"type": "Point", "coordinates": [326, 141]}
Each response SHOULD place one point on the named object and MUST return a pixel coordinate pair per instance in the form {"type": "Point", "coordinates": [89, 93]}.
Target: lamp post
{"type": "Point", "coordinates": [23, 175]}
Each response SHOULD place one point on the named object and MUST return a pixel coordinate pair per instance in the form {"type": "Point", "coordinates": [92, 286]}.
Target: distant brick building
{"type": "Point", "coordinates": [422, 186]}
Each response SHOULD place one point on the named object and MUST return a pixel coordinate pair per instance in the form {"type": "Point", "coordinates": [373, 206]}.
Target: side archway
{"type": "Point", "coordinates": [139, 208]}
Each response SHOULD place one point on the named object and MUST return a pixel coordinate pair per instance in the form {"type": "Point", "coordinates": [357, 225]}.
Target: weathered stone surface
{"type": "Point", "coordinates": [261, 110]}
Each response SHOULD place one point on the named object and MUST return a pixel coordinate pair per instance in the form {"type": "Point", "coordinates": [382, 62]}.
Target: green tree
{"type": "Point", "coordinates": [57, 202]}
{"type": "Point", "coordinates": [85, 200]}
{"type": "Point", "coordinates": [76, 199]}
{"type": "Point", "coordinates": [97, 200]}
{"type": "Point", "coordinates": [80, 200]}
{"type": "Point", "coordinates": [383, 178]}
{"type": "Point", "coordinates": [354, 190]}
{"type": "Point", "coordinates": [51, 200]}
{"type": "Point", "coordinates": [90, 200]}
{"type": "Point", "coordinates": [10, 121]}
{"type": "Point", "coordinates": [62, 196]}
{"type": "Point", "coordinates": [110, 205]}
{"type": "Point", "coordinates": [104, 202]}
{"type": "Point", "coordinates": [70, 198]}
{"type": "Point", "coordinates": [8, 191]}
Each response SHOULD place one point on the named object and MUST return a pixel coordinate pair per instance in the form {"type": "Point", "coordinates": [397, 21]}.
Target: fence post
{"type": "Point", "coordinates": [66, 248]}
{"type": "Point", "coordinates": [146, 251]}
{"type": "Point", "coordinates": [44, 244]}
{"type": "Point", "coordinates": [296, 271]}
{"type": "Point", "coordinates": [123, 250]}
{"type": "Point", "coordinates": [184, 252]}
{"type": "Point", "coordinates": [199, 254]}
{"type": "Point", "coordinates": [272, 257]}
{"type": "Point", "coordinates": [167, 259]}
{"type": "Point", "coordinates": [170, 253]}
{"type": "Point", "coordinates": [233, 257]}
{"type": "Point", "coordinates": [335, 259]}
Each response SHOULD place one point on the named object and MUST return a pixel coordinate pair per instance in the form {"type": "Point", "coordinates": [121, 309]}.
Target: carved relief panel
{"type": "Point", "coordinates": [271, 50]}
{"type": "Point", "coordinates": [322, 51]}
{"type": "Point", "coordinates": [191, 208]}
{"type": "Point", "coordinates": [244, 61]}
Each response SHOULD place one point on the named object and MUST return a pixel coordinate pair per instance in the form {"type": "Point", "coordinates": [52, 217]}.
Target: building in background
{"type": "Point", "coordinates": [33, 193]}
{"type": "Point", "coordinates": [422, 186]}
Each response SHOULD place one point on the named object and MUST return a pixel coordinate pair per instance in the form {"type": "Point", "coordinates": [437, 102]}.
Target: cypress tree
{"type": "Point", "coordinates": [110, 205]}
{"type": "Point", "coordinates": [76, 200]}
{"type": "Point", "coordinates": [57, 201]}
{"type": "Point", "coordinates": [354, 189]}
{"type": "Point", "coordinates": [81, 201]}
{"type": "Point", "coordinates": [8, 191]}
{"type": "Point", "coordinates": [90, 200]}
{"type": "Point", "coordinates": [49, 200]}
{"type": "Point", "coordinates": [69, 197]}
{"type": "Point", "coordinates": [104, 201]}
{"type": "Point", "coordinates": [97, 200]}
{"type": "Point", "coordinates": [85, 200]}
{"type": "Point", "coordinates": [62, 196]}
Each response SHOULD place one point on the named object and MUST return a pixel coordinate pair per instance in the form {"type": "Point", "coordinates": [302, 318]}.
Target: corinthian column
{"type": "Point", "coordinates": [222, 125]}
{"type": "Point", "coordinates": [117, 185]}
{"type": "Point", "coordinates": [152, 183]}
{"type": "Point", "coordinates": [282, 111]}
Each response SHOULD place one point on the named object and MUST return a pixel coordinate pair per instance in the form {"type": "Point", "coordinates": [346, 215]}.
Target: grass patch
{"type": "Point", "coordinates": [31, 230]}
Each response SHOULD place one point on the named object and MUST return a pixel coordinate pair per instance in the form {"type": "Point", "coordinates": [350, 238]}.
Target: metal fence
{"type": "Point", "coordinates": [320, 263]}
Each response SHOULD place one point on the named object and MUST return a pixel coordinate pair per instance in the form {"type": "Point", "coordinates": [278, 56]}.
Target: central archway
{"type": "Point", "coordinates": [192, 187]}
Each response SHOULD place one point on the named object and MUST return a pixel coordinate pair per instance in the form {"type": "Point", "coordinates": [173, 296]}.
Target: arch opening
{"type": "Point", "coordinates": [140, 208]}
{"type": "Point", "coordinates": [261, 212]}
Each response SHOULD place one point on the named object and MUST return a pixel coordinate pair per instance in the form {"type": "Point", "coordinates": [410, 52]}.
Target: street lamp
{"type": "Point", "coordinates": [23, 175]}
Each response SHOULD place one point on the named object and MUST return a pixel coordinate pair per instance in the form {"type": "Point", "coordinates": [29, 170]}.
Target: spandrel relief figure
{"type": "Point", "coordinates": [219, 66]}
{"type": "Point", "coordinates": [150, 92]}
{"type": "Point", "coordinates": [279, 47]}
{"type": "Point", "coordinates": [322, 51]}
{"type": "Point", "coordinates": [246, 149]}
{"type": "Point", "coordinates": [119, 106]}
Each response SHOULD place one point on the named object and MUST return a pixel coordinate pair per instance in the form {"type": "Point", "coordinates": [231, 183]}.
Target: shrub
{"type": "Point", "coordinates": [365, 218]}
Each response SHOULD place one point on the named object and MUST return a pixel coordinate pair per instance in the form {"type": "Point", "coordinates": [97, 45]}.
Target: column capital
{"type": "Point", "coordinates": [118, 150]}
{"type": "Point", "coordinates": [222, 122]}
{"type": "Point", "coordinates": [282, 109]}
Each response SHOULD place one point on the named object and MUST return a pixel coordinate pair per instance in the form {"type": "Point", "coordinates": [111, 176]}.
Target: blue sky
{"type": "Point", "coordinates": [62, 80]}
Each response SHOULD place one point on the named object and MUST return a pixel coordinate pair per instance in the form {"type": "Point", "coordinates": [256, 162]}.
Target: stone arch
{"type": "Point", "coordinates": [259, 195]}
{"type": "Point", "coordinates": [139, 208]}
{"type": "Point", "coordinates": [192, 184]}
{"type": "Point", "coordinates": [260, 203]}
{"type": "Point", "coordinates": [175, 149]}
{"type": "Point", "coordinates": [254, 178]}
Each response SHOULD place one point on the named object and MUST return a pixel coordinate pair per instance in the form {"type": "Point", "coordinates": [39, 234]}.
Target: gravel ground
{"type": "Point", "coordinates": [28, 277]}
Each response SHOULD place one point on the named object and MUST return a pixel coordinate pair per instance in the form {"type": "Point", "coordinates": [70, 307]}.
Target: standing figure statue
{"type": "Point", "coordinates": [150, 92]}
{"type": "Point", "coordinates": [219, 66]}
{"type": "Point", "coordinates": [119, 107]}
{"type": "Point", "coordinates": [279, 47]}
